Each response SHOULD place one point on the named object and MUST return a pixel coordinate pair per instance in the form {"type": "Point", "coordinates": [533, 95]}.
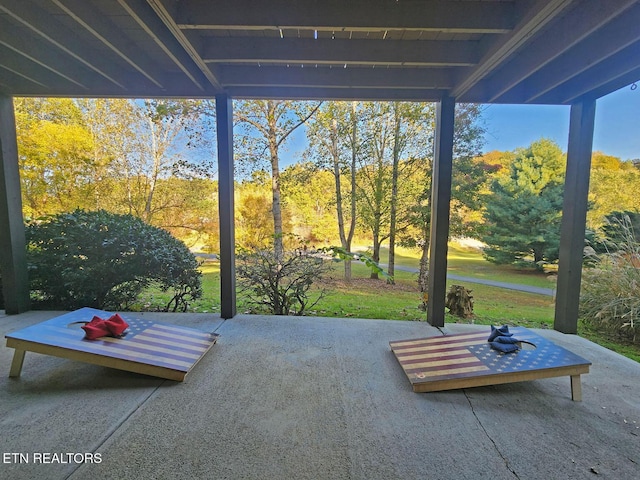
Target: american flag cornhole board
{"type": "Point", "coordinates": [466, 360]}
{"type": "Point", "coordinates": [147, 347]}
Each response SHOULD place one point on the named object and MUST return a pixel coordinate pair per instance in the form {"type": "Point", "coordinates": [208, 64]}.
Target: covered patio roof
{"type": "Point", "coordinates": [564, 52]}
{"type": "Point", "coordinates": [483, 51]}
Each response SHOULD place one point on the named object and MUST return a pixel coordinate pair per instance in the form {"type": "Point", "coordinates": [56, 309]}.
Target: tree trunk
{"type": "Point", "coordinates": [538, 257]}
{"type": "Point", "coordinates": [276, 207]}
{"type": "Point", "coordinates": [154, 175]}
{"type": "Point", "coordinates": [376, 252]}
{"type": "Point", "coordinates": [394, 195]}
{"type": "Point", "coordinates": [354, 159]}
{"type": "Point", "coordinates": [335, 153]}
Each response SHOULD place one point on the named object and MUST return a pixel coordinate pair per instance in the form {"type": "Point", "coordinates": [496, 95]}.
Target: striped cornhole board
{"type": "Point", "coordinates": [148, 347]}
{"type": "Point", "coordinates": [466, 360]}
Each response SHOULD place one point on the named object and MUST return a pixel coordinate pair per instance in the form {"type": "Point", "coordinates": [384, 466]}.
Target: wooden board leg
{"type": "Point", "coordinates": [16, 364]}
{"type": "Point", "coordinates": [576, 388]}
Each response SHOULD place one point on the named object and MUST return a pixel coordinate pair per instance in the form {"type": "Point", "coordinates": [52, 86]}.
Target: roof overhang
{"type": "Point", "coordinates": [482, 51]}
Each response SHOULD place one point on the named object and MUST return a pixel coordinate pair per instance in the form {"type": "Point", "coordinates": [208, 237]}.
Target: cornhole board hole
{"type": "Point", "coordinates": [147, 347]}
{"type": "Point", "coordinates": [466, 360]}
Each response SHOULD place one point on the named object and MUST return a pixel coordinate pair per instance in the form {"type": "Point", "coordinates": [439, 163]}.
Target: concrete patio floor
{"type": "Point", "coordinates": [312, 398]}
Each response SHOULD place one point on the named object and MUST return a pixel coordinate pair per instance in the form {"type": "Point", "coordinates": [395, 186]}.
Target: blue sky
{"type": "Point", "coordinates": [617, 127]}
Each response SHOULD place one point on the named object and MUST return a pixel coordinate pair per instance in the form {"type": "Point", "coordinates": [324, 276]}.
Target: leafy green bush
{"type": "Point", "coordinates": [104, 260]}
{"type": "Point", "coordinates": [610, 296]}
{"type": "Point", "coordinates": [280, 285]}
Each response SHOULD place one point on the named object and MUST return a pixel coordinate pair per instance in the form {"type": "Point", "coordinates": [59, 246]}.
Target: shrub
{"type": "Point", "coordinates": [610, 296]}
{"type": "Point", "coordinates": [104, 260]}
{"type": "Point", "coordinates": [281, 285]}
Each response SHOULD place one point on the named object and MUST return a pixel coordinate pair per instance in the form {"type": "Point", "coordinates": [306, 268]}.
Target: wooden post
{"type": "Point", "coordinates": [224, 122]}
{"type": "Point", "coordinates": [440, 202]}
{"type": "Point", "coordinates": [574, 216]}
{"type": "Point", "coordinates": [13, 257]}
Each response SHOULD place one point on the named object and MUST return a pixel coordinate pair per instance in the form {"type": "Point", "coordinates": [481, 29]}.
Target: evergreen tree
{"type": "Point", "coordinates": [524, 208]}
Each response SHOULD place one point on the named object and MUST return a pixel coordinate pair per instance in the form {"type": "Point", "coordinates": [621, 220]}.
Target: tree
{"type": "Point", "coordinates": [396, 143]}
{"type": "Point", "coordinates": [468, 177]}
{"type": "Point", "coordinates": [524, 208]}
{"type": "Point", "coordinates": [334, 143]}
{"type": "Point", "coordinates": [121, 155]}
{"type": "Point", "coordinates": [411, 147]}
{"type": "Point", "coordinates": [267, 126]}
{"type": "Point", "coordinates": [309, 197]}
{"type": "Point", "coordinates": [618, 229]}
{"type": "Point", "coordinates": [162, 132]}
{"type": "Point", "coordinates": [254, 229]}
{"type": "Point", "coordinates": [112, 126]}
{"type": "Point", "coordinates": [190, 212]}
{"type": "Point", "coordinates": [55, 155]}
{"type": "Point", "coordinates": [613, 187]}
{"type": "Point", "coordinates": [470, 184]}
{"type": "Point", "coordinates": [374, 177]}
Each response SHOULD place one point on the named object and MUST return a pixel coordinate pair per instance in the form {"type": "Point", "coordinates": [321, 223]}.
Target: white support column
{"type": "Point", "coordinates": [13, 261]}
{"type": "Point", "coordinates": [440, 203]}
{"type": "Point", "coordinates": [224, 121]}
{"type": "Point", "coordinates": [574, 216]}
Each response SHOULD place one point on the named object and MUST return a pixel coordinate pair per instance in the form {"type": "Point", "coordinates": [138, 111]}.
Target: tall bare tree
{"type": "Point", "coordinates": [334, 143]}
{"type": "Point", "coordinates": [397, 138]}
{"type": "Point", "coordinates": [267, 125]}
{"type": "Point", "coordinates": [412, 140]}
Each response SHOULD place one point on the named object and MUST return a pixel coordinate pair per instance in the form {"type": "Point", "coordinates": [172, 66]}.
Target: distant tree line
{"type": "Point", "coordinates": [364, 176]}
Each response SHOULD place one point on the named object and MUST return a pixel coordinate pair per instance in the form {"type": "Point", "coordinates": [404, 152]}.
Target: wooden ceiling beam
{"type": "Point", "coordinates": [424, 78]}
{"type": "Point", "coordinates": [52, 31]}
{"type": "Point", "coordinates": [539, 14]}
{"type": "Point", "coordinates": [604, 72]}
{"type": "Point", "coordinates": [181, 87]}
{"type": "Point", "coordinates": [582, 57]}
{"type": "Point", "coordinates": [10, 77]}
{"type": "Point", "coordinates": [353, 15]}
{"type": "Point", "coordinates": [44, 54]}
{"type": "Point", "coordinates": [562, 36]}
{"type": "Point", "coordinates": [146, 18]}
{"type": "Point", "coordinates": [322, 93]}
{"type": "Point", "coordinates": [108, 33]}
{"type": "Point", "coordinates": [624, 30]}
{"type": "Point", "coordinates": [622, 81]}
{"type": "Point", "coordinates": [35, 71]}
{"type": "Point", "coordinates": [325, 51]}
{"type": "Point", "coordinates": [167, 18]}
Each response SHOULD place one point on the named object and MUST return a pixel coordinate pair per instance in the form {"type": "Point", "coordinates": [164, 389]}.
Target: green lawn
{"type": "Point", "coordinates": [366, 298]}
{"type": "Point", "coordinates": [468, 262]}
{"type": "Point", "coordinates": [376, 299]}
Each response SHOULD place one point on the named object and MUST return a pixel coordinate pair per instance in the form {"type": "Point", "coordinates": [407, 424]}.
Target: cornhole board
{"type": "Point", "coordinates": [466, 360]}
{"type": "Point", "coordinates": [147, 347]}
